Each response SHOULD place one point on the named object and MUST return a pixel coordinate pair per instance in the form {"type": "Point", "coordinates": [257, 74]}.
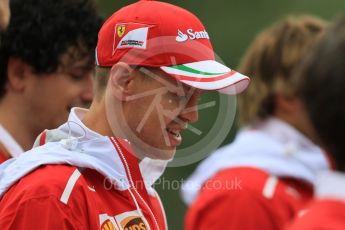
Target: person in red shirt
{"type": "Point", "coordinates": [321, 88]}
{"type": "Point", "coordinates": [96, 171]}
{"type": "Point", "coordinates": [47, 49]}
{"type": "Point", "coordinates": [266, 176]}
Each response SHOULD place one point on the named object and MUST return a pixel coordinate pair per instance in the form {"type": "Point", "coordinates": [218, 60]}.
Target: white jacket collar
{"type": "Point", "coordinates": [284, 133]}
{"type": "Point", "coordinates": [330, 184]}
{"type": "Point", "coordinates": [77, 127]}
{"type": "Point", "coordinates": [274, 147]}
{"type": "Point", "coordinates": [75, 144]}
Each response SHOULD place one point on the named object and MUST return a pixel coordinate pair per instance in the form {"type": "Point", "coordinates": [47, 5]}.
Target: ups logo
{"type": "Point", "coordinates": [133, 223]}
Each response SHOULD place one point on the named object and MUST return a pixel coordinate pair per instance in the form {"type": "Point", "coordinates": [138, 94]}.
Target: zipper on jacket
{"type": "Point", "coordinates": [132, 183]}
{"type": "Point", "coordinates": [163, 211]}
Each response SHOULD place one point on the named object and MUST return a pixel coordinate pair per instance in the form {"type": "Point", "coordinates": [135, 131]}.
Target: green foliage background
{"type": "Point", "coordinates": [231, 24]}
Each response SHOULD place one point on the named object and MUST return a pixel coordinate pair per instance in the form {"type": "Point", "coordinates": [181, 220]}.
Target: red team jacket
{"type": "Point", "coordinates": [248, 198]}
{"type": "Point", "coordinates": [260, 181]}
{"type": "Point", "coordinates": [64, 196]}
{"type": "Point", "coordinates": [325, 214]}
{"type": "Point", "coordinates": [327, 211]}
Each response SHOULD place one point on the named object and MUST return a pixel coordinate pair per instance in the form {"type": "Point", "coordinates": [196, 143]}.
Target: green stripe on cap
{"type": "Point", "coordinates": [191, 70]}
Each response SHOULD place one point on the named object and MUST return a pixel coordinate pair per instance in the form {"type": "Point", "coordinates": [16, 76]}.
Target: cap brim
{"type": "Point", "coordinates": [209, 75]}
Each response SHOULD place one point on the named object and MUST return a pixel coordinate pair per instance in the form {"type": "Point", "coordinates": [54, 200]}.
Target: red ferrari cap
{"type": "Point", "coordinates": [162, 35]}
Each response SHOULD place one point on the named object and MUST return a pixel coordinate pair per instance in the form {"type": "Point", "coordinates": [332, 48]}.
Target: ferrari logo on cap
{"type": "Point", "coordinates": [121, 30]}
{"type": "Point", "coordinates": [130, 35]}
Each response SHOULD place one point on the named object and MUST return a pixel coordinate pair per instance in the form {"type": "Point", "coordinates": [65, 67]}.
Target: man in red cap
{"type": "Point", "coordinates": [96, 171]}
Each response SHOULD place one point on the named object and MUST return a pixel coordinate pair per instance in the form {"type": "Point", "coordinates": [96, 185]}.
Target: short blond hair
{"type": "Point", "coordinates": [101, 81]}
{"type": "Point", "coordinates": [102, 77]}
{"type": "Point", "coordinates": [270, 61]}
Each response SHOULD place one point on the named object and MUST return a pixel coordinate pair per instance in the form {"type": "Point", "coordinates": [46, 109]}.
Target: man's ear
{"type": "Point", "coordinates": [17, 74]}
{"type": "Point", "coordinates": [121, 76]}
{"type": "Point", "coordinates": [286, 104]}
{"type": "Point", "coordinates": [288, 108]}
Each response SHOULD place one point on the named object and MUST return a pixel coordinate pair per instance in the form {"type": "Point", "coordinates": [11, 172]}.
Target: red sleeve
{"type": "Point", "coordinates": [233, 210]}
{"type": "Point", "coordinates": [38, 213]}
{"type": "Point", "coordinates": [322, 215]}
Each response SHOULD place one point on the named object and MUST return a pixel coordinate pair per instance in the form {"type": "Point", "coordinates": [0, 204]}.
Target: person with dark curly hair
{"type": "Point", "coordinates": [46, 67]}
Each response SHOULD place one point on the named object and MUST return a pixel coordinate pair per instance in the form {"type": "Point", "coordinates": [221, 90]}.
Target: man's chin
{"type": "Point", "coordinates": [144, 149]}
{"type": "Point", "coordinates": [166, 155]}
{"type": "Point", "coordinates": [159, 154]}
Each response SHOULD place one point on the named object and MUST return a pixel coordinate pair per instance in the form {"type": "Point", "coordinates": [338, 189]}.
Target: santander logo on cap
{"type": "Point", "coordinates": [192, 35]}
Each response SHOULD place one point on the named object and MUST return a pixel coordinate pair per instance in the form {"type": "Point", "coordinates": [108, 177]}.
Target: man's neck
{"type": "Point", "coordinates": [15, 121]}
{"type": "Point", "coordinates": [96, 119]}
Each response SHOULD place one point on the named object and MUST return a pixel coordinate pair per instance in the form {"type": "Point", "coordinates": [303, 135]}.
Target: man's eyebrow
{"type": "Point", "coordinates": [179, 88]}
{"type": "Point", "coordinates": [77, 66]}
{"type": "Point", "coordinates": [85, 65]}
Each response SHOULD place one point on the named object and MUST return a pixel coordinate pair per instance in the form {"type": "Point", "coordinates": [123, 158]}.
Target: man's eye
{"type": "Point", "coordinates": [180, 97]}
{"type": "Point", "coordinates": [76, 77]}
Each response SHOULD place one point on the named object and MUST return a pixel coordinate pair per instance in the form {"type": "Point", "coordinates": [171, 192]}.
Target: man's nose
{"type": "Point", "coordinates": [190, 113]}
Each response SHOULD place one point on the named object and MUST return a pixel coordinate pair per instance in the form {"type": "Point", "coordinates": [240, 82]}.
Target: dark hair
{"type": "Point", "coordinates": [270, 60]}
{"type": "Point", "coordinates": [322, 89]}
{"type": "Point", "coordinates": [41, 31]}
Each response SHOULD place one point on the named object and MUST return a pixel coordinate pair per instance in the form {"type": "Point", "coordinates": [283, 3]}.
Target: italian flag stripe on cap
{"type": "Point", "coordinates": [208, 75]}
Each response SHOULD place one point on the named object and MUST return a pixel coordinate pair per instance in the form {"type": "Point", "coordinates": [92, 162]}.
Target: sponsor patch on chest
{"type": "Point", "coordinates": [124, 221]}
{"type": "Point", "coordinates": [107, 222]}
